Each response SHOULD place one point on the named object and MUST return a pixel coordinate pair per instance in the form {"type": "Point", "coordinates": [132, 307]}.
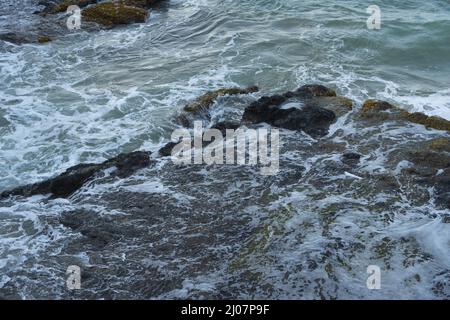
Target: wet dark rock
{"type": "Point", "coordinates": [351, 158]}
{"type": "Point", "coordinates": [44, 39]}
{"type": "Point", "coordinates": [429, 167]}
{"type": "Point", "coordinates": [205, 101]}
{"type": "Point", "coordinates": [428, 159]}
{"type": "Point", "coordinates": [313, 90]}
{"type": "Point", "coordinates": [309, 118]}
{"type": "Point", "coordinates": [183, 120]}
{"type": "Point", "coordinates": [128, 163]}
{"type": "Point", "coordinates": [75, 177]}
{"type": "Point", "coordinates": [19, 38]}
{"type": "Point", "coordinates": [224, 125]}
{"type": "Point", "coordinates": [146, 4]}
{"type": "Point", "coordinates": [442, 188]}
{"type": "Point", "coordinates": [166, 151]}
{"type": "Point", "coordinates": [16, 38]}
{"type": "Point", "coordinates": [339, 105]}
{"type": "Point", "coordinates": [97, 231]}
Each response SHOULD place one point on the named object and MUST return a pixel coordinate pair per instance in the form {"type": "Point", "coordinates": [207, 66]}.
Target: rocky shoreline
{"type": "Point", "coordinates": [141, 226]}
{"type": "Point", "coordinates": [317, 108]}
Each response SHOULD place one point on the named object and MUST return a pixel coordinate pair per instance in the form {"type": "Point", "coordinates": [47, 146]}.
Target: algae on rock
{"type": "Point", "coordinates": [110, 14]}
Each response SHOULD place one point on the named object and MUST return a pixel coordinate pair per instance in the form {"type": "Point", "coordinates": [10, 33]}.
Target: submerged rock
{"type": "Point", "coordinates": [16, 38]}
{"type": "Point", "coordinates": [111, 14]}
{"type": "Point", "coordinates": [205, 101]}
{"type": "Point", "coordinates": [441, 183]}
{"type": "Point", "coordinates": [44, 39]}
{"type": "Point", "coordinates": [19, 39]}
{"type": "Point", "coordinates": [97, 232]}
{"type": "Point", "coordinates": [351, 158]}
{"type": "Point", "coordinates": [440, 144]}
{"type": "Point", "coordinates": [75, 177]}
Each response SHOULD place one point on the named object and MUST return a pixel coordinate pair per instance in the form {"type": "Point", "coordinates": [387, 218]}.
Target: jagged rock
{"type": "Point", "coordinates": [305, 115]}
{"type": "Point", "coordinates": [111, 14]}
{"type": "Point", "coordinates": [376, 109]}
{"type": "Point", "coordinates": [339, 105]}
{"type": "Point", "coordinates": [203, 102]}
{"type": "Point", "coordinates": [75, 177]}
{"type": "Point", "coordinates": [166, 151]}
{"type": "Point", "coordinates": [183, 120]}
{"type": "Point", "coordinates": [224, 125]}
{"type": "Point", "coordinates": [373, 105]}
{"type": "Point", "coordinates": [16, 38]}
{"type": "Point", "coordinates": [311, 91]}
{"type": "Point", "coordinates": [428, 121]}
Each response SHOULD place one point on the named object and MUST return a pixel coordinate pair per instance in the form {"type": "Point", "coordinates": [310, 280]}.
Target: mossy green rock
{"type": "Point", "coordinates": [376, 109]}
{"type": "Point", "coordinates": [428, 121]}
{"type": "Point", "coordinates": [372, 105]}
{"type": "Point", "coordinates": [203, 102]}
{"type": "Point", "coordinates": [44, 39]}
{"type": "Point", "coordinates": [110, 14]}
